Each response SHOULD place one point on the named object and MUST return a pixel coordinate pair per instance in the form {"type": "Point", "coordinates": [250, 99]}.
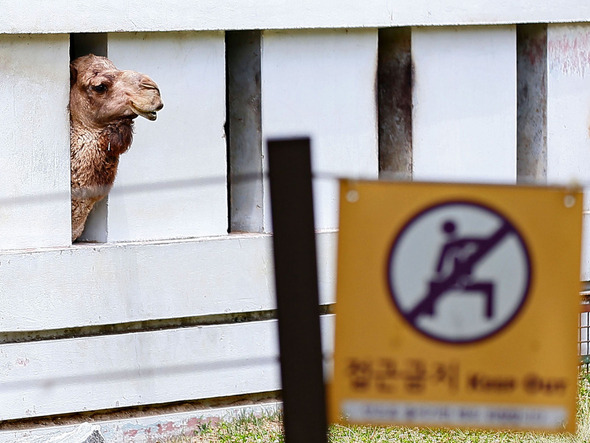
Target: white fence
{"type": "Point", "coordinates": [145, 314]}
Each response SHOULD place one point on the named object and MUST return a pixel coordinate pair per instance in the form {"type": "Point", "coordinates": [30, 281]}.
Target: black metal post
{"type": "Point", "coordinates": [296, 280]}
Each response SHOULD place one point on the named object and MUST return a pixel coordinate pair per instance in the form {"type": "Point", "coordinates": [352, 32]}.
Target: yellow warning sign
{"type": "Point", "coordinates": [457, 306]}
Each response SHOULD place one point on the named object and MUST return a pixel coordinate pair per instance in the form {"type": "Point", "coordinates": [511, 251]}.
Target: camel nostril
{"type": "Point", "coordinates": [160, 106]}
{"type": "Point", "coordinates": [148, 83]}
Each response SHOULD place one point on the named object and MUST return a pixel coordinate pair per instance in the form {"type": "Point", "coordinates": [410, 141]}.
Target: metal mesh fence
{"type": "Point", "coordinates": [584, 326]}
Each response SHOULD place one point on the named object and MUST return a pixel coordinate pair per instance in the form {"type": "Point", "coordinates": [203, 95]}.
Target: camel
{"type": "Point", "coordinates": [103, 103]}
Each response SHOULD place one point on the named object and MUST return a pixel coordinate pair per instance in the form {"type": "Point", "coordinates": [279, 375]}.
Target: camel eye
{"type": "Point", "coordinates": [100, 88]}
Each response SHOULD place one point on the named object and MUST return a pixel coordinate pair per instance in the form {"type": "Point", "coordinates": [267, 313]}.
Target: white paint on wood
{"type": "Point", "coordinates": [63, 16]}
{"type": "Point", "coordinates": [321, 84]}
{"type": "Point", "coordinates": [82, 433]}
{"type": "Point", "coordinates": [34, 141]}
{"type": "Point", "coordinates": [186, 142]}
{"type": "Point", "coordinates": [60, 376]}
{"type": "Point", "coordinates": [464, 117]}
{"type": "Point", "coordinates": [568, 104]}
{"type": "Point", "coordinates": [145, 429]}
{"type": "Point", "coordinates": [482, 12]}
{"type": "Point", "coordinates": [113, 283]}
{"type": "Point", "coordinates": [568, 114]}
{"type": "Point", "coordinates": [585, 271]}
{"type": "Point", "coordinates": [134, 369]}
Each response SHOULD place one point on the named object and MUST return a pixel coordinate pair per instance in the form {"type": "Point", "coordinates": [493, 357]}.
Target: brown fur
{"type": "Point", "coordinates": [103, 103]}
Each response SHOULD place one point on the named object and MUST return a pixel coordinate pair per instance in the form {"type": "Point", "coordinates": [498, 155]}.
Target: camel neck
{"type": "Point", "coordinates": [113, 139]}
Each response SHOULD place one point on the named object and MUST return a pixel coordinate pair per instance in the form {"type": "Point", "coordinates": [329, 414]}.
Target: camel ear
{"type": "Point", "coordinates": [73, 75]}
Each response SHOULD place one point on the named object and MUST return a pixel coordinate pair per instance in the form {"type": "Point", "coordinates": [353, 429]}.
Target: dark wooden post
{"type": "Point", "coordinates": [304, 398]}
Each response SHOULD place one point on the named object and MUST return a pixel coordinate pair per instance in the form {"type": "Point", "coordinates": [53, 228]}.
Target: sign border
{"type": "Point", "coordinates": [466, 202]}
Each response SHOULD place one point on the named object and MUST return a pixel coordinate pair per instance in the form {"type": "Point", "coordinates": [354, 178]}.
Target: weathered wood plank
{"type": "Point", "coordinates": [244, 130]}
{"type": "Point", "coordinates": [145, 428]}
{"type": "Point", "coordinates": [464, 116]}
{"type": "Point", "coordinates": [60, 376]}
{"type": "Point", "coordinates": [186, 142]}
{"type": "Point", "coordinates": [394, 84]}
{"type": "Point", "coordinates": [532, 103]}
{"type": "Point", "coordinates": [34, 141]}
{"type": "Point", "coordinates": [61, 16]}
{"type": "Point", "coordinates": [568, 99]}
{"type": "Point", "coordinates": [321, 84]}
{"type": "Point", "coordinates": [114, 283]}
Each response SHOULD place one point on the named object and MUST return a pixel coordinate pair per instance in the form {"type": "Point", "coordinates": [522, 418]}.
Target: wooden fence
{"type": "Point", "coordinates": [171, 296]}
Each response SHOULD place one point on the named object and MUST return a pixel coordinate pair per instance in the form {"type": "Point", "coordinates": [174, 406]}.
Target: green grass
{"type": "Point", "coordinates": [244, 429]}
{"type": "Point", "coordinates": [269, 429]}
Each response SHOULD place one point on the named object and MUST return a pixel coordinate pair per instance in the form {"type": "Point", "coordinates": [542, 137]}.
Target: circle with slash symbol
{"type": "Point", "coordinates": [459, 272]}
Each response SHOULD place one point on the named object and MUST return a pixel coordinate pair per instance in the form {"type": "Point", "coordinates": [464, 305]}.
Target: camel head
{"type": "Point", "coordinates": [103, 103]}
{"type": "Point", "coordinates": [101, 95]}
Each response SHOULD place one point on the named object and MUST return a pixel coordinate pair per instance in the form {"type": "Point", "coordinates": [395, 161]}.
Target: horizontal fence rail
{"type": "Point", "coordinates": [112, 16]}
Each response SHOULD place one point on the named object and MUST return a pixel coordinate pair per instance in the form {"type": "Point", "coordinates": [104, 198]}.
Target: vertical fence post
{"type": "Point", "coordinates": [304, 398]}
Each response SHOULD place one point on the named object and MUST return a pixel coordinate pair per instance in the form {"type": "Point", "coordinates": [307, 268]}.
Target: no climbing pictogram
{"type": "Point", "coordinates": [459, 272]}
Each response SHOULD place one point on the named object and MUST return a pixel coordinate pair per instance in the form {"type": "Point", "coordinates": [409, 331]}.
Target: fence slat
{"type": "Point", "coordinates": [39, 16]}
{"type": "Point", "coordinates": [464, 125]}
{"type": "Point", "coordinates": [108, 284]}
{"type": "Point", "coordinates": [321, 84]}
{"type": "Point", "coordinates": [186, 141]}
{"type": "Point", "coordinates": [141, 368]}
{"type": "Point", "coordinates": [568, 96]}
{"type": "Point", "coordinates": [34, 141]}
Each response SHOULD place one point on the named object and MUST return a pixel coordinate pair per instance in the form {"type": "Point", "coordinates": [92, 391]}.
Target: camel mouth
{"type": "Point", "coordinates": [150, 115]}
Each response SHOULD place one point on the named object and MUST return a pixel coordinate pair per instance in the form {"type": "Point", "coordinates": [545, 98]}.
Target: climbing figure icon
{"type": "Point", "coordinates": [458, 271]}
{"type": "Point", "coordinates": [457, 254]}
